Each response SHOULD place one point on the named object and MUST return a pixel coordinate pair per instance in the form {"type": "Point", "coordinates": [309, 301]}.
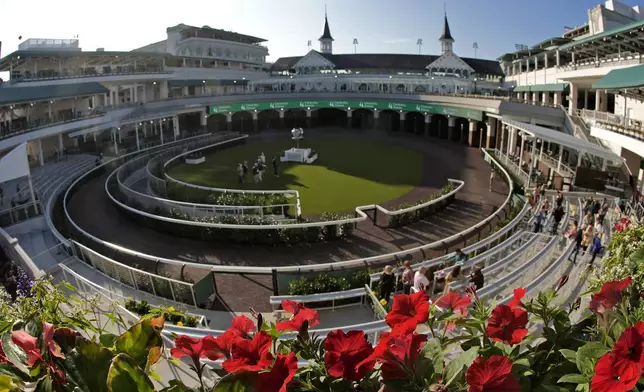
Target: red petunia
{"type": "Point", "coordinates": [454, 302]}
{"type": "Point", "coordinates": [295, 322]}
{"type": "Point", "coordinates": [408, 311]}
{"type": "Point", "coordinates": [630, 345]}
{"type": "Point", "coordinates": [185, 346]}
{"type": "Point", "coordinates": [609, 295]}
{"type": "Point", "coordinates": [292, 307]}
{"type": "Point", "coordinates": [609, 377]}
{"type": "Point", "coordinates": [493, 374]}
{"type": "Point", "coordinates": [518, 295]}
{"type": "Point", "coordinates": [250, 355]}
{"type": "Point", "coordinates": [277, 379]}
{"type": "Point", "coordinates": [507, 325]}
{"type": "Point", "coordinates": [29, 345]}
{"type": "Point", "coordinates": [396, 354]}
{"type": "Point", "coordinates": [242, 325]}
{"type": "Point", "coordinates": [344, 352]}
{"type": "Point", "coordinates": [221, 346]}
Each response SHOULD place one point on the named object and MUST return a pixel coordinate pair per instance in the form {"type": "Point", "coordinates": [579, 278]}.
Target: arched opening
{"type": "Point", "coordinates": [217, 122]}
{"type": "Point", "coordinates": [420, 89]}
{"type": "Point", "coordinates": [415, 123]}
{"type": "Point", "coordinates": [329, 117]}
{"type": "Point", "coordinates": [462, 130]}
{"type": "Point", "coordinates": [295, 118]}
{"type": "Point", "coordinates": [389, 120]}
{"type": "Point", "coordinates": [362, 119]}
{"type": "Point", "coordinates": [438, 126]}
{"type": "Point", "coordinates": [400, 88]}
{"type": "Point", "coordinates": [268, 119]}
{"type": "Point", "coordinates": [242, 122]}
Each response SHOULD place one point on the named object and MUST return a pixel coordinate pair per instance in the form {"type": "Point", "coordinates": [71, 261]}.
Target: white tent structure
{"type": "Point", "coordinates": [15, 165]}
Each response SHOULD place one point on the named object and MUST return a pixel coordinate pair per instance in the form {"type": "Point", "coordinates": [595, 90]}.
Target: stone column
{"type": "Point", "coordinates": [60, 143]}
{"type": "Point", "coordinates": [428, 124]}
{"type": "Point", "coordinates": [349, 118]}
{"type": "Point", "coordinates": [255, 128]}
{"type": "Point", "coordinates": [585, 98]}
{"type": "Point", "coordinates": [136, 134]}
{"type": "Point", "coordinates": [308, 118]}
{"type": "Point", "coordinates": [376, 117]}
{"type": "Point", "coordinates": [163, 89]}
{"type": "Point", "coordinates": [281, 122]}
{"type": "Point", "coordinates": [204, 118]}
{"type": "Point", "coordinates": [491, 133]}
{"type": "Point", "coordinates": [229, 121]}
{"type": "Point", "coordinates": [557, 98]}
{"type": "Point", "coordinates": [41, 156]}
{"type": "Point", "coordinates": [535, 98]}
{"type": "Point", "coordinates": [402, 121]}
{"type": "Point", "coordinates": [546, 98]}
{"type": "Point", "coordinates": [175, 126]}
{"type": "Point", "coordinates": [574, 93]}
{"type": "Point", "coordinates": [451, 125]}
{"type": "Point", "coordinates": [160, 130]}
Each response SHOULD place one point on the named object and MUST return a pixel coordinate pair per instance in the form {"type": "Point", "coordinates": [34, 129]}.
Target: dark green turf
{"type": "Point", "coordinates": [348, 172]}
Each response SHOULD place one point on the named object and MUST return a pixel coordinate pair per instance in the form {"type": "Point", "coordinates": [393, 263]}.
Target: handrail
{"type": "Point", "coordinates": [318, 297]}
{"type": "Point", "coordinates": [14, 251]}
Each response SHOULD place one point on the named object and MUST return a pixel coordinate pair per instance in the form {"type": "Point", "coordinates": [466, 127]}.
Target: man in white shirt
{"type": "Point", "coordinates": [421, 283]}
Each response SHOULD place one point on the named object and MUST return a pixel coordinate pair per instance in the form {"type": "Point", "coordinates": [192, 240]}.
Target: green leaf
{"type": "Point", "coordinates": [125, 376]}
{"type": "Point", "coordinates": [229, 383]}
{"type": "Point", "coordinates": [107, 339]}
{"type": "Point", "coordinates": [573, 379]}
{"type": "Point", "coordinates": [455, 369]}
{"type": "Point", "coordinates": [176, 386]}
{"type": "Point", "coordinates": [587, 353]}
{"type": "Point", "coordinates": [92, 363]}
{"type": "Point", "coordinates": [140, 339]}
{"type": "Point", "coordinates": [9, 384]}
{"type": "Point", "coordinates": [569, 354]}
{"type": "Point", "coordinates": [14, 354]}
{"type": "Point", "coordinates": [45, 384]}
{"type": "Point", "coordinates": [434, 352]}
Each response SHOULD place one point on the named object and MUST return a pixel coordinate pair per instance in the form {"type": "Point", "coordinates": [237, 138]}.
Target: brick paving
{"type": "Point", "coordinates": [92, 210]}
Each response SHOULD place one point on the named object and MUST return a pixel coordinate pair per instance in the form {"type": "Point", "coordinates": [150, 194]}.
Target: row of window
{"type": "Point", "coordinates": [220, 52]}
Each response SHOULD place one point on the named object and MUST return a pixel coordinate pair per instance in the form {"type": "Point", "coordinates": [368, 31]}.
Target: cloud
{"type": "Point", "coordinates": [396, 40]}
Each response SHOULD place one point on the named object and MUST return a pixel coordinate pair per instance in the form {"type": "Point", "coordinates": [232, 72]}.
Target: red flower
{"type": "Point", "coordinates": [281, 374]}
{"type": "Point", "coordinates": [221, 346]}
{"type": "Point", "coordinates": [455, 302]}
{"type": "Point", "coordinates": [630, 345]}
{"type": "Point", "coordinates": [609, 295]}
{"type": "Point", "coordinates": [518, 295]}
{"type": "Point", "coordinates": [242, 326]}
{"type": "Point", "coordinates": [301, 314]}
{"type": "Point", "coordinates": [611, 377]}
{"type": "Point", "coordinates": [48, 337]}
{"type": "Point", "coordinates": [562, 281]}
{"type": "Point", "coordinates": [292, 307]}
{"type": "Point", "coordinates": [344, 352]}
{"type": "Point", "coordinates": [408, 311]}
{"type": "Point", "coordinates": [507, 325]}
{"type": "Point", "coordinates": [185, 346]}
{"type": "Point", "coordinates": [250, 355]}
{"type": "Point", "coordinates": [492, 374]}
{"type": "Point", "coordinates": [396, 354]}
{"type": "Point", "coordinates": [29, 345]}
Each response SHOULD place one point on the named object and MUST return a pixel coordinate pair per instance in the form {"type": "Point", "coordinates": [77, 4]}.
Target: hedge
{"type": "Point", "coordinates": [421, 213]}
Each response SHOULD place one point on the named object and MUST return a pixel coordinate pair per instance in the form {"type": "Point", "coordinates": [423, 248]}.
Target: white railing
{"type": "Point", "coordinates": [14, 252]}
{"type": "Point", "coordinates": [20, 213]}
{"type": "Point", "coordinates": [276, 300]}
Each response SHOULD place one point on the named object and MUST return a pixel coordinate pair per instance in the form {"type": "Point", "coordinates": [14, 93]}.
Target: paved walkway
{"type": "Point", "coordinates": [93, 210]}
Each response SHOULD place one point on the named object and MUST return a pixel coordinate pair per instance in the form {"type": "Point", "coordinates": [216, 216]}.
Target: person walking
{"type": "Point", "coordinates": [387, 283]}
{"type": "Point", "coordinates": [275, 167]}
{"type": "Point", "coordinates": [596, 248]}
{"type": "Point", "coordinates": [260, 170]}
{"type": "Point", "coordinates": [557, 215]}
{"type": "Point", "coordinates": [255, 173]}
{"type": "Point", "coordinates": [240, 173]}
{"type": "Point", "coordinates": [559, 199]}
{"type": "Point", "coordinates": [245, 167]}
{"type": "Point", "coordinates": [539, 218]}
{"type": "Point", "coordinates": [492, 175]}
{"type": "Point", "coordinates": [407, 277]}
{"type": "Point", "coordinates": [578, 237]}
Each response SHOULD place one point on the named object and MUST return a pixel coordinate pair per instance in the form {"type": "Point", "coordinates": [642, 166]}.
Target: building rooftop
{"type": "Point", "coordinates": [212, 33]}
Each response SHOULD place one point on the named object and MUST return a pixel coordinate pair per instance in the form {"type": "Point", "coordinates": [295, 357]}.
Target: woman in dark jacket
{"type": "Point", "coordinates": [387, 283]}
{"type": "Point", "coordinates": [477, 279]}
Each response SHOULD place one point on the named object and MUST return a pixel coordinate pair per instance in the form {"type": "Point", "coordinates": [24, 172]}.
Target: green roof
{"type": "Point", "coordinates": [607, 33]}
{"type": "Point", "coordinates": [521, 89]}
{"type": "Point", "coordinates": [12, 95]}
{"type": "Point", "coordinates": [622, 78]}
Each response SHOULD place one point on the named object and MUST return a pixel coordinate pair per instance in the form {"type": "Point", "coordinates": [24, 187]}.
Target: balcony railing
{"type": "Point", "coordinates": [19, 128]}
{"type": "Point", "coordinates": [612, 119]}
{"type": "Point", "coordinates": [29, 78]}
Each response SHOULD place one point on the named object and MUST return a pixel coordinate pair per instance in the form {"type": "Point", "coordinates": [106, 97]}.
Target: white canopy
{"type": "Point", "coordinates": [564, 139]}
{"type": "Point", "coordinates": [15, 164]}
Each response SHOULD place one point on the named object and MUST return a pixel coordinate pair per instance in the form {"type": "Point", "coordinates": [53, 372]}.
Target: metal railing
{"type": "Point", "coordinates": [276, 300]}
{"type": "Point", "coordinates": [20, 213]}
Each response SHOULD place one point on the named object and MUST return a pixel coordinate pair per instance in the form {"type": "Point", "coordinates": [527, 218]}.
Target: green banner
{"type": "Point", "coordinates": [423, 107]}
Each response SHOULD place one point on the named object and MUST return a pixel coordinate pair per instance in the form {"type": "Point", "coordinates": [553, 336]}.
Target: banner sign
{"type": "Point", "coordinates": [428, 108]}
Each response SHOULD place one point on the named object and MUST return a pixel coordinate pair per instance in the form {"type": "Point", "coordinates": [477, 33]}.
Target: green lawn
{"type": "Point", "coordinates": [348, 172]}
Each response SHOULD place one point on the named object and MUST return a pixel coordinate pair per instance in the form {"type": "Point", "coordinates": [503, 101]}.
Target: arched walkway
{"type": "Point", "coordinates": [268, 119]}
{"type": "Point", "coordinates": [295, 118]}
{"type": "Point", "coordinates": [415, 123]}
{"type": "Point", "coordinates": [329, 117]}
{"type": "Point", "coordinates": [389, 120]}
{"type": "Point", "coordinates": [242, 122]}
{"type": "Point", "coordinates": [217, 122]}
{"type": "Point", "coordinates": [362, 119]}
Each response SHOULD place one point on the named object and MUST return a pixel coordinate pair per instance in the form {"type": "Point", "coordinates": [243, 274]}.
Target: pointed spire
{"type": "Point", "coordinates": [327, 32]}
{"type": "Point", "coordinates": [446, 33]}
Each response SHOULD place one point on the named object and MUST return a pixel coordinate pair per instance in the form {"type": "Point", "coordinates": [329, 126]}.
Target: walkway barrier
{"type": "Point", "coordinates": [322, 298]}
{"type": "Point", "coordinates": [20, 213]}
{"type": "Point", "coordinates": [14, 252]}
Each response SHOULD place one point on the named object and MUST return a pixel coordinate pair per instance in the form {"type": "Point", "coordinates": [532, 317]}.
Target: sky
{"type": "Point", "coordinates": [381, 26]}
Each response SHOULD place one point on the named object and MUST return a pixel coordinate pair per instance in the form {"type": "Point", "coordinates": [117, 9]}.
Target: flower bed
{"type": "Point", "coordinates": [143, 308]}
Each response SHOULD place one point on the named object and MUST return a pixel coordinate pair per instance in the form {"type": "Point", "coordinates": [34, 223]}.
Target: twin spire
{"type": "Point", "coordinates": [326, 40]}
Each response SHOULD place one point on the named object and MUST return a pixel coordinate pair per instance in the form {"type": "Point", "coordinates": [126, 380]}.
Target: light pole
{"type": "Point", "coordinates": [308, 45]}
{"type": "Point", "coordinates": [355, 45]}
{"type": "Point", "coordinates": [475, 46]}
{"type": "Point", "coordinates": [419, 42]}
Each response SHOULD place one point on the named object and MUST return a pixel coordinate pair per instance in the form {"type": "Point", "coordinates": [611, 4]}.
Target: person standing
{"type": "Point", "coordinates": [477, 278]}
{"type": "Point", "coordinates": [491, 179]}
{"type": "Point", "coordinates": [387, 283]}
{"type": "Point", "coordinates": [275, 167]}
{"type": "Point", "coordinates": [453, 277]}
{"type": "Point", "coordinates": [407, 277]}
{"type": "Point", "coordinates": [538, 221]}
{"type": "Point", "coordinates": [260, 170]}
{"type": "Point", "coordinates": [240, 173]}
{"type": "Point", "coordinates": [255, 172]}
{"type": "Point", "coordinates": [558, 215]}
{"type": "Point", "coordinates": [578, 237]}
{"type": "Point", "coordinates": [245, 168]}
{"type": "Point", "coordinates": [596, 248]}
{"type": "Point", "coordinates": [559, 199]}
{"type": "Point", "coordinates": [421, 283]}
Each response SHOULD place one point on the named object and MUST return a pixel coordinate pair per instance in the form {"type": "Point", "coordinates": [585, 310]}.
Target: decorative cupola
{"type": "Point", "coordinates": [446, 38]}
{"type": "Point", "coordinates": [326, 40]}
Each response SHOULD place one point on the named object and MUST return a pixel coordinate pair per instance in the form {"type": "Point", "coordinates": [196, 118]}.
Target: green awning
{"type": "Point", "coordinates": [521, 89]}
{"type": "Point", "coordinates": [622, 78]}
{"type": "Point", "coordinates": [12, 95]}
{"type": "Point", "coordinates": [621, 29]}
{"type": "Point", "coordinates": [550, 87]}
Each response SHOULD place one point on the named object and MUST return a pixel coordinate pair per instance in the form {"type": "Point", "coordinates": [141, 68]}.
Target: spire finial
{"type": "Point", "coordinates": [325, 9]}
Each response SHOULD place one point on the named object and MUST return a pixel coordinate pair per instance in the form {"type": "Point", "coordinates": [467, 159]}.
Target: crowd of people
{"type": "Point", "coordinates": [258, 169]}
{"type": "Point", "coordinates": [588, 236]}
{"type": "Point", "coordinates": [421, 280]}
